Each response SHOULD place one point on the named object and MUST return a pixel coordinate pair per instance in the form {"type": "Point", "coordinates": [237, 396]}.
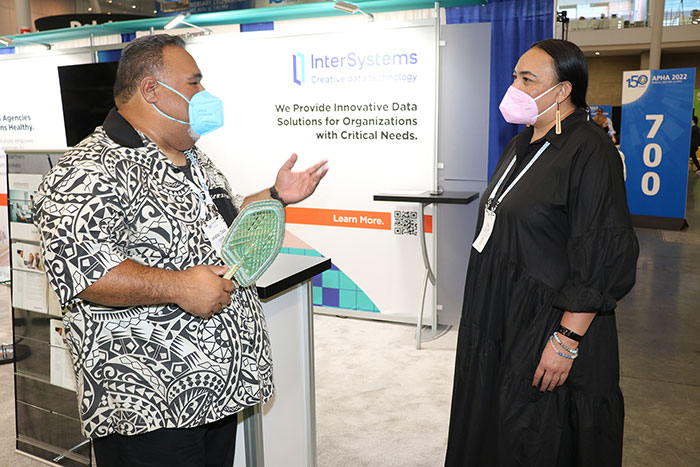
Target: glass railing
{"type": "Point", "coordinates": [681, 18]}
{"type": "Point", "coordinates": [614, 22]}
{"type": "Point", "coordinates": [586, 15]}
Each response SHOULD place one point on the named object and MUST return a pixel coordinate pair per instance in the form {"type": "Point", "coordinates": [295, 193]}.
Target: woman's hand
{"type": "Point", "coordinates": [553, 368]}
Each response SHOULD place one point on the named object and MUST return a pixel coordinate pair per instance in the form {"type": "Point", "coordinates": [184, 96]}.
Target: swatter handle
{"type": "Point", "coordinates": [229, 274]}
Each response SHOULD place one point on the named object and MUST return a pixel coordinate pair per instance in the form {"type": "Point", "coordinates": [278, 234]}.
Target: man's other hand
{"type": "Point", "coordinates": [203, 292]}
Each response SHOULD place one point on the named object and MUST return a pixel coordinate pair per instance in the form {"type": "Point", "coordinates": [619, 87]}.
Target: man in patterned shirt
{"type": "Point", "coordinates": [165, 350]}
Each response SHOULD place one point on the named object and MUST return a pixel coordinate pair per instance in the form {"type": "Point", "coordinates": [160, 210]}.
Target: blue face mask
{"type": "Point", "coordinates": [206, 111]}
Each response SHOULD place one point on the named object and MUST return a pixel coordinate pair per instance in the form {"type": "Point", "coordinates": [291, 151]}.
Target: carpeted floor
{"type": "Point", "coordinates": [379, 401]}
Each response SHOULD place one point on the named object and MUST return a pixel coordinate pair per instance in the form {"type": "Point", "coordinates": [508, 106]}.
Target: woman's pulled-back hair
{"type": "Point", "coordinates": [570, 65]}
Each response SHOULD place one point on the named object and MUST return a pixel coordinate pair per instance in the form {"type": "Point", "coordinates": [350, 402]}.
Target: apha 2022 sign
{"type": "Point", "coordinates": [657, 108]}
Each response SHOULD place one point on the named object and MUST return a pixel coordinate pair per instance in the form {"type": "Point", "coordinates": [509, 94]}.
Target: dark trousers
{"type": "Point", "coordinates": [210, 445]}
{"type": "Point", "coordinates": [694, 157]}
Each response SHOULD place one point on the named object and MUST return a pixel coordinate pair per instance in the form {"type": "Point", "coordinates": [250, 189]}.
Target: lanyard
{"type": "Point", "coordinates": [199, 175]}
{"type": "Point", "coordinates": [489, 203]}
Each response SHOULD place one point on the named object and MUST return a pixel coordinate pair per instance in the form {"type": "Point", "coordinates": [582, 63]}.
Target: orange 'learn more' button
{"type": "Point", "coordinates": [344, 218]}
{"type": "Point", "coordinates": [339, 218]}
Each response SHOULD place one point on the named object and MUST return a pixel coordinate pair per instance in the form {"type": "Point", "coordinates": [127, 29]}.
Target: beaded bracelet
{"type": "Point", "coordinates": [556, 338]}
{"type": "Point", "coordinates": [570, 357]}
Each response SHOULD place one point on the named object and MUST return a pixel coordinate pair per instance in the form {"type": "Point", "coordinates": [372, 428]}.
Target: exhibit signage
{"type": "Point", "coordinates": [4, 230]}
{"type": "Point", "coordinates": [31, 115]}
{"type": "Point", "coordinates": [656, 115]}
{"type": "Point", "coordinates": [172, 7]}
{"type": "Point", "coordinates": [77, 20]}
{"type": "Point", "coordinates": [363, 99]}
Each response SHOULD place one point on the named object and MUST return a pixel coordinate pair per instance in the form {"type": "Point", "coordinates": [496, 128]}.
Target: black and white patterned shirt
{"type": "Point", "coordinates": [113, 197]}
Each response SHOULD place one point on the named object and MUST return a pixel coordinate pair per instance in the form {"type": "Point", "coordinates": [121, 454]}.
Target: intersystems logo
{"type": "Point", "coordinates": [298, 68]}
{"type": "Point", "coordinates": [354, 67]}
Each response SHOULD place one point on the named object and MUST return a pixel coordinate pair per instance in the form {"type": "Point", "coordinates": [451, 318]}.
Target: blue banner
{"type": "Point", "coordinates": [657, 106]}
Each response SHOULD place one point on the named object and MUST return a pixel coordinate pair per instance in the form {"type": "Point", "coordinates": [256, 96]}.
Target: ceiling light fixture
{"type": "Point", "coordinates": [352, 9]}
{"type": "Point", "coordinates": [180, 19]}
{"type": "Point", "coordinates": [8, 42]}
{"type": "Point", "coordinates": [174, 21]}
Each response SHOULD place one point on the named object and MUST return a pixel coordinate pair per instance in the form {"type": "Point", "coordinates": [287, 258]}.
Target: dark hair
{"type": "Point", "coordinates": [142, 57]}
{"type": "Point", "coordinates": [695, 119]}
{"type": "Point", "coordinates": [570, 65]}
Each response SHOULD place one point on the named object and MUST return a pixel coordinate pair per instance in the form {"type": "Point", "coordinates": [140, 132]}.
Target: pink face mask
{"type": "Point", "coordinates": [518, 107]}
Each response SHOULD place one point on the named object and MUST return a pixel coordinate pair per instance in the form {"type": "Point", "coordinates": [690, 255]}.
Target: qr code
{"type": "Point", "coordinates": [405, 223]}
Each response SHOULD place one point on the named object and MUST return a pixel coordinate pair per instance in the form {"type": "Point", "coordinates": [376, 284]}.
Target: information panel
{"type": "Point", "coordinates": [364, 99]}
{"type": "Point", "coordinates": [656, 116]}
{"type": "Point", "coordinates": [31, 117]}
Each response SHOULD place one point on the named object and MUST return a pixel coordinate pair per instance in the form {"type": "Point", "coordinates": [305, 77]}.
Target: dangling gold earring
{"type": "Point", "coordinates": [558, 128]}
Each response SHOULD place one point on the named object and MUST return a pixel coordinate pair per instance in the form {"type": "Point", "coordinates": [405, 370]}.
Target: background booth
{"type": "Point", "coordinates": [386, 89]}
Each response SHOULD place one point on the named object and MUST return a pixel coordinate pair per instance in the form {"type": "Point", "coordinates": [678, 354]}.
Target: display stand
{"type": "Point", "coordinates": [657, 222]}
{"type": "Point", "coordinates": [286, 292]}
{"type": "Point", "coordinates": [447, 197]}
{"type": "Point", "coordinates": [46, 410]}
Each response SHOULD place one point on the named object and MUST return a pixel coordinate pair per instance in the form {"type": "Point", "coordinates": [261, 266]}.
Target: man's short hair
{"type": "Point", "coordinates": [695, 119]}
{"type": "Point", "coordinates": [141, 58]}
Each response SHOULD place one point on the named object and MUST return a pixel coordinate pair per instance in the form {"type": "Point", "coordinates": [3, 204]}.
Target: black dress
{"type": "Point", "coordinates": [562, 240]}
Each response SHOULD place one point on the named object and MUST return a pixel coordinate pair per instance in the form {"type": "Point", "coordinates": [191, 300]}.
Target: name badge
{"type": "Point", "coordinates": [215, 231]}
{"type": "Point", "coordinates": [486, 229]}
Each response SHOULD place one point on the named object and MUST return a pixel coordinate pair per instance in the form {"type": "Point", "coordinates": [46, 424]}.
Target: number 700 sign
{"type": "Point", "coordinates": [651, 182]}
{"type": "Point", "coordinates": [655, 138]}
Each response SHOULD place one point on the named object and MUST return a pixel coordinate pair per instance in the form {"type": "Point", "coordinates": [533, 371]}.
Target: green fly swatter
{"type": "Point", "coordinates": [253, 241]}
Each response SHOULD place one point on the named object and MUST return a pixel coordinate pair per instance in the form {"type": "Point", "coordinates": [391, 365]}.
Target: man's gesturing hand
{"type": "Point", "coordinates": [297, 186]}
{"type": "Point", "coordinates": [203, 292]}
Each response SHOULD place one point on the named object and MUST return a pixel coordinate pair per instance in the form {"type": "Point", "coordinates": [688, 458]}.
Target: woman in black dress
{"type": "Point", "coordinates": [537, 368]}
